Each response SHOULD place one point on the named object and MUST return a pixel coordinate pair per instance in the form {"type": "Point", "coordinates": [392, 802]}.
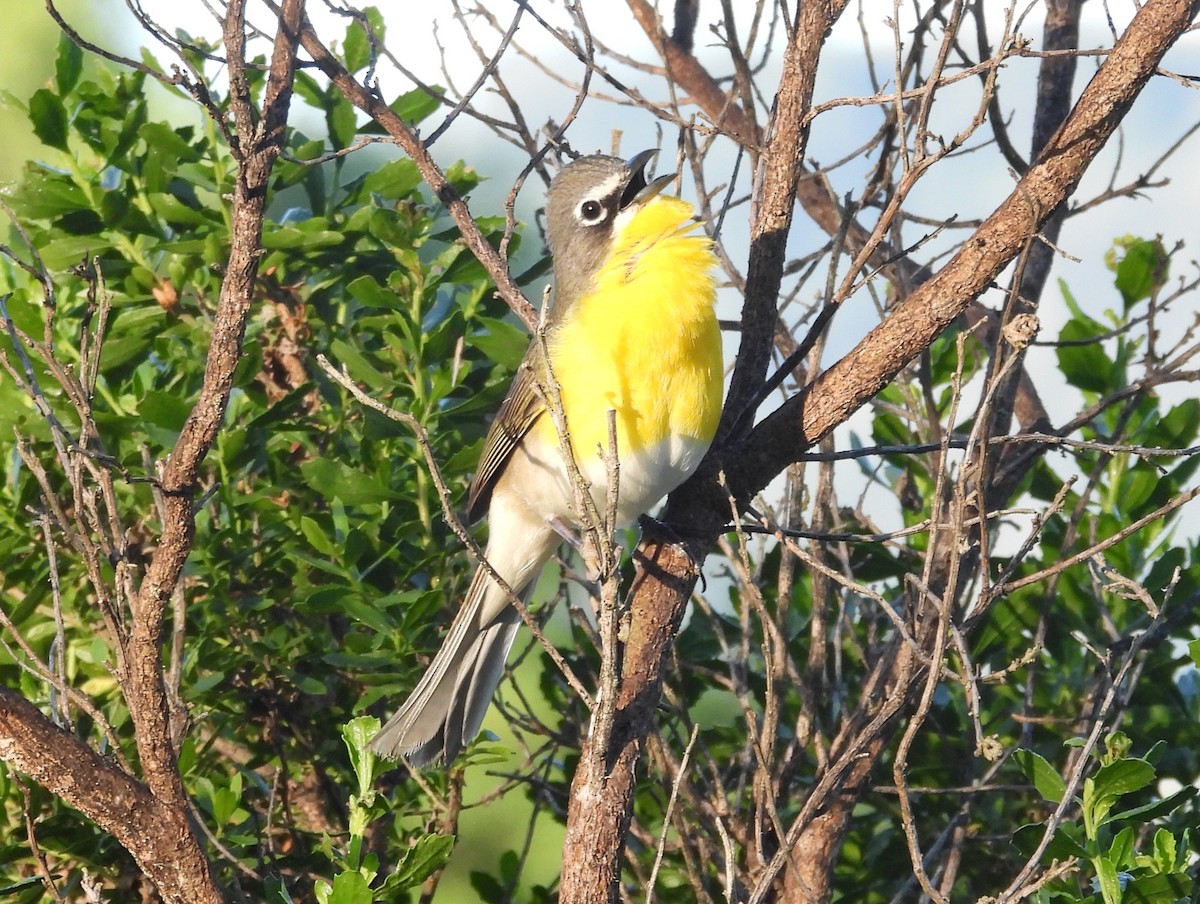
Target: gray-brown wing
{"type": "Point", "coordinates": [522, 407]}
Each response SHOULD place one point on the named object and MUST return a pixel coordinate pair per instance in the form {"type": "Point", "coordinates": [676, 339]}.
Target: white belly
{"type": "Point", "coordinates": [643, 478]}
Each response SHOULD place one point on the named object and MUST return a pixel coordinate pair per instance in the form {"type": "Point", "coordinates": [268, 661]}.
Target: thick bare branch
{"type": "Point", "coordinates": [666, 575]}
{"type": "Point", "coordinates": [147, 691]}
{"type": "Point", "coordinates": [159, 837]}
{"type": "Point", "coordinates": [780, 168]}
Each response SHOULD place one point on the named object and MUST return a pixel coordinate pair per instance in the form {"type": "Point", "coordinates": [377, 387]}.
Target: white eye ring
{"type": "Point", "coordinates": [591, 212]}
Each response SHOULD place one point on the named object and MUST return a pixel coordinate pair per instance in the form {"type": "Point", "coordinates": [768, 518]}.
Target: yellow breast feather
{"type": "Point", "coordinates": [645, 340]}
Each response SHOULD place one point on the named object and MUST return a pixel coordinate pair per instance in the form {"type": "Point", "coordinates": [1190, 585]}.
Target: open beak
{"type": "Point", "coordinates": [638, 190]}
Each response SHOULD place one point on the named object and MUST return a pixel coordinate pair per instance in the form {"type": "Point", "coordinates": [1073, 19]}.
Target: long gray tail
{"type": "Point", "coordinates": [448, 704]}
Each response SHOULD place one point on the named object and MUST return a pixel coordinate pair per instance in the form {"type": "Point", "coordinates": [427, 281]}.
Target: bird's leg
{"type": "Point", "coordinates": [593, 573]}
{"type": "Point", "coordinates": [564, 530]}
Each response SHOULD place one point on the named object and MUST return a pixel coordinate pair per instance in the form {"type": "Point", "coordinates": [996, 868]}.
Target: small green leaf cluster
{"type": "Point", "coordinates": [1120, 856]}
{"type": "Point", "coordinates": [354, 882]}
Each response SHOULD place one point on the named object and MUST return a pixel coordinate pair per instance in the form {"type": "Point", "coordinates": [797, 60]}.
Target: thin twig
{"type": "Point", "coordinates": [662, 838]}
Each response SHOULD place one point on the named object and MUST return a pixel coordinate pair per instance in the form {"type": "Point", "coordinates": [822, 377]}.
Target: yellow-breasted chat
{"type": "Point", "coordinates": [631, 329]}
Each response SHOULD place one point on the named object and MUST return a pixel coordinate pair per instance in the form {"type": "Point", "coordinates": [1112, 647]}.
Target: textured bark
{"type": "Point", "coordinates": [785, 142]}
{"type": "Point", "coordinates": [1055, 77]}
{"type": "Point", "coordinates": [917, 321]}
{"type": "Point", "coordinates": [158, 836]}
{"type": "Point", "coordinates": [603, 785]}
{"type": "Point", "coordinates": [684, 69]}
{"type": "Point", "coordinates": [258, 148]}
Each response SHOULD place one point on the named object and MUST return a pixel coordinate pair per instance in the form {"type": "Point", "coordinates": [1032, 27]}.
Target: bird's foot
{"type": "Point", "coordinates": [665, 532]}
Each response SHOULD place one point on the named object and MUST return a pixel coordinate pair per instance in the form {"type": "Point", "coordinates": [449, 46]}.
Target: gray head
{"type": "Point", "coordinates": [582, 205]}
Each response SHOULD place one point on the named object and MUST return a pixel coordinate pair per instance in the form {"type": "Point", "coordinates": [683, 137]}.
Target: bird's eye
{"type": "Point", "coordinates": [591, 212]}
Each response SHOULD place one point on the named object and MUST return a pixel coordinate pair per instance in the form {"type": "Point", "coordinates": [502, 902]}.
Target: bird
{"type": "Point", "coordinates": [630, 328]}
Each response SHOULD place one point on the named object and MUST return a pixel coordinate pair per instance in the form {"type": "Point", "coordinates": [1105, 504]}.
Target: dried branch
{"type": "Point", "coordinates": [918, 319]}
{"type": "Point", "coordinates": [912, 325]}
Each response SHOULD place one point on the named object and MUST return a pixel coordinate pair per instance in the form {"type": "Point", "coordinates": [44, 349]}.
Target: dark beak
{"type": "Point", "coordinates": [638, 190]}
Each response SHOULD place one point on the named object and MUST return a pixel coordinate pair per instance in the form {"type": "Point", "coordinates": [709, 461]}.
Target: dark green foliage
{"type": "Point", "coordinates": [320, 570]}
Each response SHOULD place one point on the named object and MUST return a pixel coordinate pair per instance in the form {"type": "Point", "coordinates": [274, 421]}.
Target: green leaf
{"type": "Point", "coordinates": [80, 222]}
{"type": "Point", "coordinates": [309, 685]}
{"type": "Point", "coordinates": [1165, 888]}
{"type": "Point", "coordinates": [1083, 361]}
{"type": "Point", "coordinates": [207, 682]}
{"type": "Point", "coordinates": [357, 734]}
{"type": "Point", "coordinates": [164, 409]}
{"type": "Point", "coordinates": [481, 754]}
{"type": "Point", "coordinates": [310, 90]}
{"type": "Point", "coordinates": [351, 357]}
{"type": "Point", "coordinates": [1137, 485]}
{"type": "Point", "coordinates": [44, 194]}
{"type": "Point", "coordinates": [464, 178]}
{"type": "Point", "coordinates": [288, 238]}
{"type": "Point", "coordinates": [276, 891]}
{"type": "Point", "coordinates": [1106, 875]}
{"type": "Point", "coordinates": [1120, 852]}
{"type": "Point", "coordinates": [395, 179]}
{"type": "Point", "coordinates": [1181, 424]}
{"type": "Point", "coordinates": [350, 888]}
{"type": "Point", "coordinates": [336, 480]}
{"type": "Point", "coordinates": [1123, 777]}
{"type": "Point", "coordinates": [343, 122]}
{"type": "Point", "coordinates": [49, 118]}
{"type": "Point", "coordinates": [356, 48]}
{"type": "Point", "coordinates": [412, 107]}
{"type": "Point", "coordinates": [162, 139]}
{"type": "Point", "coordinates": [417, 104]}
{"type": "Point", "coordinates": [67, 65]}
{"type": "Point", "coordinates": [486, 886]}
{"type": "Point", "coordinates": [366, 614]}
{"type": "Point", "coordinates": [1109, 783]}
{"type": "Point", "coordinates": [175, 211]}
{"type": "Point", "coordinates": [225, 799]}
{"type": "Point", "coordinates": [1044, 776]}
{"type": "Point", "coordinates": [317, 538]}
{"type": "Point", "coordinates": [503, 343]}
{"type": "Point", "coordinates": [22, 885]}
{"type": "Point", "coordinates": [367, 291]}
{"type": "Point", "coordinates": [132, 336]}
{"type": "Point", "coordinates": [423, 859]}
{"type": "Point", "coordinates": [1164, 851]}
{"type": "Point", "coordinates": [1141, 271]}
{"type": "Point", "coordinates": [114, 206]}
{"type": "Point", "coordinates": [1169, 804]}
